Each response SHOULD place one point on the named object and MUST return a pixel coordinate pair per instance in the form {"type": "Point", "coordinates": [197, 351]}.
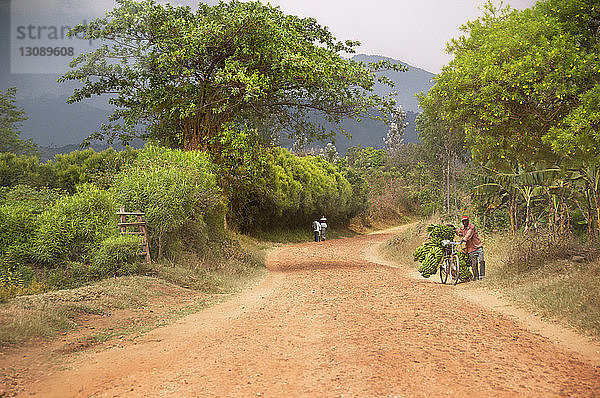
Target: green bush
{"type": "Point", "coordinates": [69, 275]}
{"type": "Point", "coordinates": [89, 166]}
{"type": "Point", "coordinates": [66, 171]}
{"type": "Point", "coordinates": [292, 190]}
{"type": "Point", "coordinates": [117, 256]}
{"type": "Point", "coordinates": [17, 224]}
{"type": "Point", "coordinates": [36, 200]}
{"type": "Point", "coordinates": [24, 169]}
{"type": "Point", "coordinates": [174, 188]}
{"type": "Point", "coordinates": [74, 226]}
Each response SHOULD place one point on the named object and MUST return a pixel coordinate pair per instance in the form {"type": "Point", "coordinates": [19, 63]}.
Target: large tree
{"type": "Point", "coordinates": [202, 80]}
{"type": "Point", "coordinates": [524, 88]}
{"type": "Point", "coordinates": [518, 74]}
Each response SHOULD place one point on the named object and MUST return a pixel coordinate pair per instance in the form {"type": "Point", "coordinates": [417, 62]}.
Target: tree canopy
{"type": "Point", "coordinates": [10, 121]}
{"type": "Point", "coordinates": [197, 79]}
{"type": "Point", "coordinates": [519, 80]}
{"type": "Point", "coordinates": [524, 89]}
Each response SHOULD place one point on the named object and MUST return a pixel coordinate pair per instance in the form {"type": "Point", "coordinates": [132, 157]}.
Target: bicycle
{"type": "Point", "coordinates": [450, 265]}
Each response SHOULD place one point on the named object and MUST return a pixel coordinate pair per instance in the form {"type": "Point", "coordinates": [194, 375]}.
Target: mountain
{"type": "Point", "coordinates": [55, 124]}
{"type": "Point", "coordinates": [371, 133]}
{"type": "Point", "coordinates": [407, 84]}
{"type": "Point", "coordinates": [52, 122]}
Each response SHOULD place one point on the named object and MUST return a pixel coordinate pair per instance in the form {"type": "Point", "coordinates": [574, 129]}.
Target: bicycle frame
{"type": "Point", "coordinates": [450, 265]}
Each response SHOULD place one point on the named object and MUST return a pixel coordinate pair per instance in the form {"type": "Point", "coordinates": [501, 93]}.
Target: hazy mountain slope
{"type": "Point", "coordinates": [54, 123]}
{"type": "Point", "coordinates": [408, 83]}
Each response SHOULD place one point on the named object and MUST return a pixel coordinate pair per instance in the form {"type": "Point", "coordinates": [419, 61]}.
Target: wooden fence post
{"type": "Point", "coordinates": [141, 230]}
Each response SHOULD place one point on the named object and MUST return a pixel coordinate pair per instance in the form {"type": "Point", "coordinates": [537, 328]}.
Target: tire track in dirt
{"type": "Point", "coordinates": [325, 322]}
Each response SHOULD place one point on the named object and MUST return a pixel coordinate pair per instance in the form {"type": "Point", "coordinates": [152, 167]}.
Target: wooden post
{"type": "Point", "coordinates": [123, 220]}
{"type": "Point", "coordinates": [141, 230]}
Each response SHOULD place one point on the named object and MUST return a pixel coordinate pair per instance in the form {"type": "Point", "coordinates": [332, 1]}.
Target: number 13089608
{"type": "Point", "coordinates": [46, 51]}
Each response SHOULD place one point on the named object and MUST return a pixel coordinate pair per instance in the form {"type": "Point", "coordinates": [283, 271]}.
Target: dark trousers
{"type": "Point", "coordinates": [317, 236]}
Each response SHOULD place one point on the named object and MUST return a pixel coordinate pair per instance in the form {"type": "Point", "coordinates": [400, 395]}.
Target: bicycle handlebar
{"type": "Point", "coordinates": [448, 242]}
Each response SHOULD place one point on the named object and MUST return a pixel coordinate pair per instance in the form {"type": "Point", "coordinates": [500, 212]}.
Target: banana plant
{"type": "Point", "coordinates": [528, 185]}
{"type": "Point", "coordinates": [588, 174]}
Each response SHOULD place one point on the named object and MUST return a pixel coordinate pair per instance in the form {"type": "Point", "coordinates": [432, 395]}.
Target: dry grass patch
{"type": "Point", "coordinates": [206, 280]}
{"type": "Point", "coordinates": [43, 315]}
{"type": "Point", "coordinates": [401, 248]}
{"type": "Point", "coordinates": [541, 275]}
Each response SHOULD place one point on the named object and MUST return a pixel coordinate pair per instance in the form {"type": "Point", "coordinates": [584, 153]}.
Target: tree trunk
{"type": "Point", "coordinates": [565, 218]}
{"type": "Point", "coordinates": [590, 213]}
{"type": "Point", "coordinates": [596, 206]}
{"type": "Point", "coordinates": [455, 193]}
{"type": "Point", "coordinates": [551, 216]}
{"type": "Point", "coordinates": [448, 186]}
{"type": "Point", "coordinates": [160, 247]}
{"type": "Point", "coordinates": [198, 132]}
{"type": "Point", "coordinates": [512, 214]}
{"type": "Point", "coordinates": [527, 214]}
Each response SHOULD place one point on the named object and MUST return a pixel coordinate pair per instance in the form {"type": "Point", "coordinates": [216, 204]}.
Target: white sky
{"type": "Point", "coordinates": [413, 31]}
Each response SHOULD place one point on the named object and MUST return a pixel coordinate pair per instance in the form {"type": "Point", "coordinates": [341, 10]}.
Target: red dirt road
{"type": "Point", "coordinates": [327, 322]}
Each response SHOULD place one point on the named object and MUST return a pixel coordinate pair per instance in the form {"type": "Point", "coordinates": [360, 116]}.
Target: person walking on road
{"type": "Point", "coordinates": [317, 230]}
{"type": "Point", "coordinates": [473, 247]}
{"type": "Point", "coordinates": [323, 222]}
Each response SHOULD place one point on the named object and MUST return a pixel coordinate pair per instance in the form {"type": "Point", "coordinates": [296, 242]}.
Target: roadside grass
{"type": "Point", "coordinates": [364, 225]}
{"type": "Point", "coordinates": [128, 329]}
{"type": "Point", "coordinates": [220, 272]}
{"type": "Point", "coordinates": [43, 315]}
{"type": "Point", "coordinates": [401, 247]}
{"type": "Point", "coordinates": [542, 276]}
{"type": "Point", "coordinates": [532, 271]}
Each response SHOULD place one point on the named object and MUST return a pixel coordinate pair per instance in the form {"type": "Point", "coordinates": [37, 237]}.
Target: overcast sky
{"type": "Point", "coordinates": [413, 31]}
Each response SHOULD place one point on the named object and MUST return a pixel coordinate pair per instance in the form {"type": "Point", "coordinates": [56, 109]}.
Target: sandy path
{"type": "Point", "coordinates": [325, 322]}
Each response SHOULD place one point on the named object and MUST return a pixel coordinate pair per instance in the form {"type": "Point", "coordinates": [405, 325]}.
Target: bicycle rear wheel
{"type": "Point", "coordinates": [444, 267]}
{"type": "Point", "coordinates": [455, 268]}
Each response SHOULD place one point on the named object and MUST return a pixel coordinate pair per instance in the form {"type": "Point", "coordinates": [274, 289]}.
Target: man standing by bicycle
{"type": "Point", "coordinates": [473, 247]}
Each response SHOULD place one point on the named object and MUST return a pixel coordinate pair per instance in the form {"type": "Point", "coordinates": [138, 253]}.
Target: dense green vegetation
{"type": "Point", "coordinates": [61, 229]}
{"type": "Point", "coordinates": [509, 134]}
{"type": "Point", "coordinates": [518, 106]}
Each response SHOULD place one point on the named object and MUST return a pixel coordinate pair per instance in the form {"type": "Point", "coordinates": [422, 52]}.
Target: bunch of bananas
{"type": "Point", "coordinates": [439, 232]}
{"type": "Point", "coordinates": [464, 271]}
{"type": "Point", "coordinates": [431, 253]}
{"type": "Point", "coordinates": [431, 260]}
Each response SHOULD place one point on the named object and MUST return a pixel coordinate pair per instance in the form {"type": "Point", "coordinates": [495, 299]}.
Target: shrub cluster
{"type": "Point", "coordinates": [61, 228]}
{"type": "Point", "coordinates": [177, 190]}
{"type": "Point", "coordinates": [292, 191]}
{"type": "Point", "coordinates": [66, 171]}
{"type": "Point", "coordinates": [74, 226]}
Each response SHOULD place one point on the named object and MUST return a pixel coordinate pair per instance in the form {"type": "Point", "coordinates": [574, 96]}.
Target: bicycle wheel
{"type": "Point", "coordinates": [455, 268]}
{"type": "Point", "coordinates": [444, 267]}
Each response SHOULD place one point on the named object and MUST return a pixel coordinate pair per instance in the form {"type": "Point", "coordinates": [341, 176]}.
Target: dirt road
{"type": "Point", "coordinates": [327, 322]}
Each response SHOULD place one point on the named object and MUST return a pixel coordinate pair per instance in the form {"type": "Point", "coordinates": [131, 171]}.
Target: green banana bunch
{"type": "Point", "coordinates": [464, 272]}
{"type": "Point", "coordinates": [431, 253]}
